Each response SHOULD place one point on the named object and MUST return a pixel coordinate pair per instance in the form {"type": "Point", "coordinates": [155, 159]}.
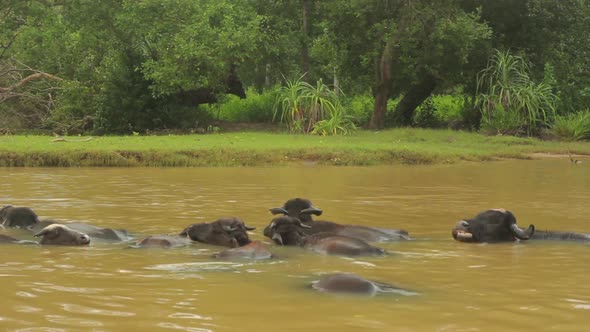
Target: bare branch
{"type": "Point", "coordinates": [27, 79]}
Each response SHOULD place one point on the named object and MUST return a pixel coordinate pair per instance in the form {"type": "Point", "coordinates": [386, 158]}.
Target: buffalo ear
{"type": "Point", "coordinates": [279, 210]}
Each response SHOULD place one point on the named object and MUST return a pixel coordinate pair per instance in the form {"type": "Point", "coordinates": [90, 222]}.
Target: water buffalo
{"type": "Point", "coordinates": [163, 241]}
{"type": "Point", "coordinates": [254, 250]}
{"type": "Point", "coordinates": [303, 209]}
{"type": "Point", "coordinates": [59, 234]}
{"type": "Point", "coordinates": [289, 231]}
{"type": "Point", "coordinates": [348, 283]}
{"type": "Point", "coordinates": [499, 225]}
{"type": "Point", "coordinates": [17, 216]}
{"type": "Point", "coordinates": [229, 232]}
{"type": "Point", "coordinates": [95, 232]}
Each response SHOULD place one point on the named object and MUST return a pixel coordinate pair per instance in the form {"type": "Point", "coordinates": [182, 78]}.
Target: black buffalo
{"type": "Point", "coordinates": [289, 231]}
{"type": "Point", "coordinates": [228, 232]}
{"type": "Point", "coordinates": [303, 209]}
{"type": "Point", "coordinates": [499, 225]}
{"type": "Point", "coordinates": [26, 218]}
{"type": "Point", "coordinates": [17, 216]}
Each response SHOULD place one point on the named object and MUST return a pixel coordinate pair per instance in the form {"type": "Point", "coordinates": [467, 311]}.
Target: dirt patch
{"type": "Point", "coordinates": [542, 155]}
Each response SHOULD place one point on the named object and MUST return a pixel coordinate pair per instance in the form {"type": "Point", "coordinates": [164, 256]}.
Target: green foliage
{"type": "Point", "coordinates": [426, 115]}
{"type": "Point", "coordinates": [360, 107]}
{"type": "Point", "coordinates": [256, 107]}
{"type": "Point", "coordinates": [337, 123]}
{"type": "Point", "coordinates": [572, 127]}
{"type": "Point", "coordinates": [505, 91]}
{"type": "Point", "coordinates": [503, 122]}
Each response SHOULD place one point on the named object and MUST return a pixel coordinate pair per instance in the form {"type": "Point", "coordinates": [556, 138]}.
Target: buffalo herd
{"type": "Point", "coordinates": [294, 226]}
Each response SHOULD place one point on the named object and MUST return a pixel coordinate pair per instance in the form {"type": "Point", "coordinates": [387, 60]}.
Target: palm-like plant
{"type": "Point", "coordinates": [505, 86]}
{"type": "Point", "coordinates": [303, 106]}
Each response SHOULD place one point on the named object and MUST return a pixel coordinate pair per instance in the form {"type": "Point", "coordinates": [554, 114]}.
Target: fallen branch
{"type": "Point", "coordinates": [62, 139]}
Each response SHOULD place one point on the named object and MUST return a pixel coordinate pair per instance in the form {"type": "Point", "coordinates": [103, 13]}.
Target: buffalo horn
{"type": "Point", "coordinates": [249, 228]}
{"type": "Point", "coordinates": [229, 228]}
{"type": "Point", "coordinates": [278, 210]}
{"type": "Point", "coordinates": [522, 234]}
{"type": "Point", "coordinates": [278, 238]}
{"type": "Point", "coordinates": [311, 210]}
{"type": "Point", "coordinates": [302, 225]}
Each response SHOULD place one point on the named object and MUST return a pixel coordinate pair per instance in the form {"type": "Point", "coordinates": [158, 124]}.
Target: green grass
{"type": "Point", "coordinates": [397, 146]}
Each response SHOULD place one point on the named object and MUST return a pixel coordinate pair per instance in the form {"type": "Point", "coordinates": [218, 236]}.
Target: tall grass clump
{"type": "Point", "coordinates": [256, 107]}
{"type": "Point", "coordinates": [572, 127]}
{"type": "Point", "coordinates": [306, 108]}
{"type": "Point", "coordinates": [505, 92]}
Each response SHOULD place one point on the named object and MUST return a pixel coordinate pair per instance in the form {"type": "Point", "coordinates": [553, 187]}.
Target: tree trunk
{"type": "Point", "coordinates": [306, 34]}
{"type": "Point", "coordinates": [417, 93]}
{"type": "Point", "coordinates": [383, 86]}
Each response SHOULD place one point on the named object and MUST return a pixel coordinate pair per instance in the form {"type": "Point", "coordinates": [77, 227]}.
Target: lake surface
{"type": "Point", "coordinates": [534, 286]}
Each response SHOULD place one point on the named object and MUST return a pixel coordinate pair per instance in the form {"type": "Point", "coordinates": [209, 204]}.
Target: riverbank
{"type": "Point", "coordinates": [395, 146]}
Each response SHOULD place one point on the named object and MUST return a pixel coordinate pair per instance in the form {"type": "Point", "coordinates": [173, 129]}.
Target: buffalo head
{"type": "Point", "coordinates": [497, 225]}
{"type": "Point", "coordinates": [286, 231]}
{"type": "Point", "coordinates": [298, 208]}
{"type": "Point", "coordinates": [228, 232]}
{"type": "Point", "coordinates": [62, 235]}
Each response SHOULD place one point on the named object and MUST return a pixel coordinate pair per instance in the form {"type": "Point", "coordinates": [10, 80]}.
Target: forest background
{"type": "Point", "coordinates": [137, 67]}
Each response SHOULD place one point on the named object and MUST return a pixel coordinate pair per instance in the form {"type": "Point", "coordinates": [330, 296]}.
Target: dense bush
{"type": "Point", "coordinates": [572, 127]}
{"type": "Point", "coordinates": [256, 107]}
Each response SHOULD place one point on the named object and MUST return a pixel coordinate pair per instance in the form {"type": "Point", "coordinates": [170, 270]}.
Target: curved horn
{"type": "Point", "coordinates": [249, 228]}
{"type": "Point", "coordinates": [277, 238]}
{"type": "Point", "coordinates": [522, 234]}
{"type": "Point", "coordinates": [312, 210]}
{"type": "Point", "coordinates": [302, 225]}
{"type": "Point", "coordinates": [229, 228]}
{"type": "Point", "coordinates": [279, 210]}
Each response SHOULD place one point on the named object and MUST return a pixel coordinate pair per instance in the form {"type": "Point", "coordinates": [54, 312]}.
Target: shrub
{"type": "Point", "coordinates": [256, 107]}
{"type": "Point", "coordinates": [502, 122]}
{"type": "Point", "coordinates": [360, 108]}
{"type": "Point", "coordinates": [505, 86]}
{"type": "Point", "coordinates": [572, 127]}
{"type": "Point", "coordinates": [301, 105]}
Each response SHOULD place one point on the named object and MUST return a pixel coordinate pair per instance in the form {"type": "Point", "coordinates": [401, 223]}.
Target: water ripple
{"type": "Point", "coordinates": [79, 309]}
{"type": "Point", "coordinates": [184, 328]}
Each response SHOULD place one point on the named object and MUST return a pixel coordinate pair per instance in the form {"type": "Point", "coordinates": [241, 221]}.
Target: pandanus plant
{"type": "Point", "coordinates": [302, 107]}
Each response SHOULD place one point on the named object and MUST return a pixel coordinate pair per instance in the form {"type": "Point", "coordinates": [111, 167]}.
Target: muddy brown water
{"type": "Point", "coordinates": [542, 286]}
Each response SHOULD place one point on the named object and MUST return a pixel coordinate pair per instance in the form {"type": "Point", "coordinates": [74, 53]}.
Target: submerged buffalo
{"type": "Point", "coordinates": [228, 232]}
{"type": "Point", "coordinates": [302, 209]}
{"type": "Point", "coordinates": [58, 234]}
{"type": "Point", "coordinates": [17, 216]}
{"type": "Point", "coordinates": [348, 283]}
{"type": "Point", "coordinates": [95, 232]}
{"type": "Point", "coordinates": [288, 231]}
{"type": "Point", "coordinates": [255, 250]}
{"type": "Point", "coordinates": [163, 241]}
{"type": "Point", "coordinates": [499, 225]}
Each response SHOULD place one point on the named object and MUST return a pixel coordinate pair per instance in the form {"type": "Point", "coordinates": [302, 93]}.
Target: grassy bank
{"type": "Point", "coordinates": [397, 146]}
